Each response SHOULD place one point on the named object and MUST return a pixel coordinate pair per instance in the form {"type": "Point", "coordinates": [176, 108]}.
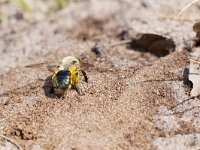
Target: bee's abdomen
{"type": "Point", "coordinates": [63, 78]}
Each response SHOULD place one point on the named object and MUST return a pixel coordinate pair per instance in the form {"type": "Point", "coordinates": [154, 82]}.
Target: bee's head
{"type": "Point", "coordinates": [68, 61]}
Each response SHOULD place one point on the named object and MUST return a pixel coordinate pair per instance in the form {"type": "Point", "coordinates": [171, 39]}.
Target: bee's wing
{"type": "Point", "coordinates": [50, 67]}
{"type": "Point", "coordinates": [36, 65]}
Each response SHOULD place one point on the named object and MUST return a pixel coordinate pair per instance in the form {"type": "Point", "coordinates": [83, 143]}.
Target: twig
{"type": "Point", "coordinates": [11, 141]}
{"type": "Point", "coordinates": [161, 80]}
{"type": "Point", "coordinates": [120, 43]}
{"type": "Point", "coordinates": [187, 6]}
{"type": "Point", "coordinates": [195, 61]}
{"type": "Point", "coordinates": [173, 17]}
{"type": "Point", "coordinates": [181, 103]}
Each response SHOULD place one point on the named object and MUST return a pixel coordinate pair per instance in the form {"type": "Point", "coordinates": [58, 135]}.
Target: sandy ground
{"type": "Point", "coordinates": [134, 99]}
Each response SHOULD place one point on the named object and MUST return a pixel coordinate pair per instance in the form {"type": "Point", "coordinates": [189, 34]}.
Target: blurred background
{"type": "Point", "coordinates": [31, 9]}
{"type": "Point", "coordinates": [30, 28]}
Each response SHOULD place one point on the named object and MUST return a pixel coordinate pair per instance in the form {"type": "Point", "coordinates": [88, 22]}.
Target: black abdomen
{"type": "Point", "coordinates": [63, 78]}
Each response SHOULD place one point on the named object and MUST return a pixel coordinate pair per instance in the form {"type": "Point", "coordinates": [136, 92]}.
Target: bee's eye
{"type": "Point", "coordinates": [73, 62]}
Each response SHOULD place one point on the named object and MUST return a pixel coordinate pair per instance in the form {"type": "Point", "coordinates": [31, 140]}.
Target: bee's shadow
{"type": "Point", "coordinates": [47, 87]}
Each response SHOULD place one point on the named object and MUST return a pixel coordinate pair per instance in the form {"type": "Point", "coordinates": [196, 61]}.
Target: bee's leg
{"type": "Point", "coordinates": [63, 95]}
{"type": "Point", "coordinates": [66, 92]}
{"type": "Point", "coordinates": [52, 90]}
{"type": "Point", "coordinates": [85, 75]}
{"type": "Point", "coordinates": [59, 96]}
{"type": "Point", "coordinates": [76, 84]}
{"type": "Point", "coordinates": [77, 90]}
{"type": "Point", "coordinates": [76, 87]}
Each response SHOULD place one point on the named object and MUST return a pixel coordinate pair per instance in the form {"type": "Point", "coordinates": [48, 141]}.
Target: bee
{"type": "Point", "coordinates": [66, 75]}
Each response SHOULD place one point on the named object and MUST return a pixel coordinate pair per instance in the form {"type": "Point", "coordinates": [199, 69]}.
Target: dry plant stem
{"type": "Point", "coordinates": [195, 61]}
{"type": "Point", "coordinates": [11, 141]}
{"type": "Point", "coordinates": [178, 18]}
{"type": "Point", "coordinates": [181, 103]}
{"type": "Point", "coordinates": [120, 43]}
{"type": "Point", "coordinates": [187, 6]}
{"type": "Point", "coordinates": [146, 81]}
